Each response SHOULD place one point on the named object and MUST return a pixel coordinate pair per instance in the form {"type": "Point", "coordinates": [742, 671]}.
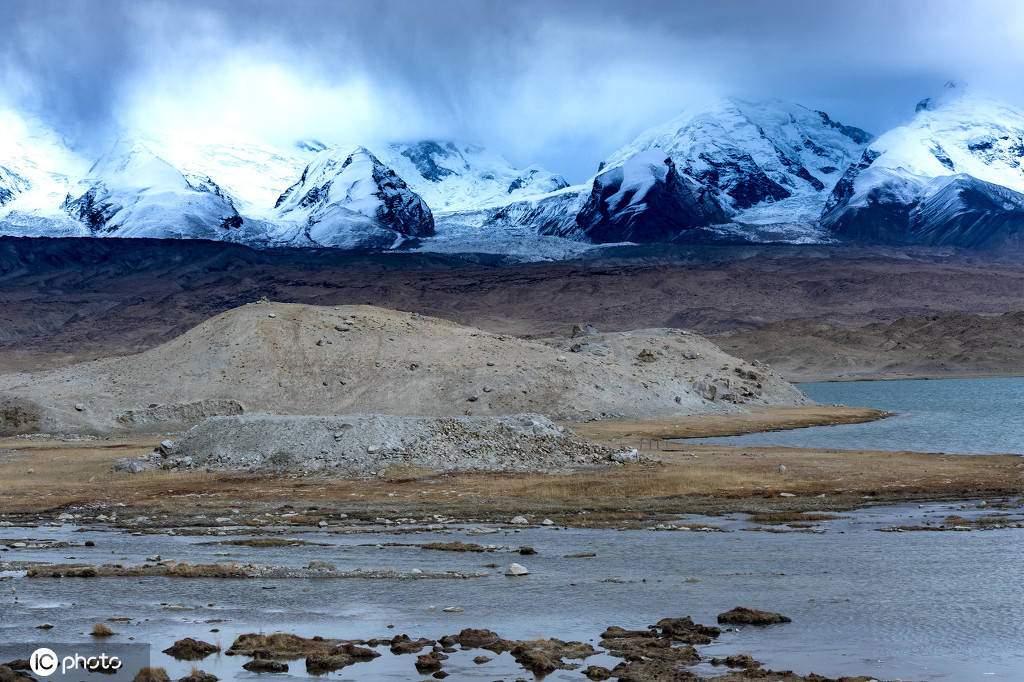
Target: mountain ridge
{"type": "Point", "coordinates": [741, 172]}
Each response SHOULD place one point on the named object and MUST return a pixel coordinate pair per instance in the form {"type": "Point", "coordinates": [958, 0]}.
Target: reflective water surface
{"type": "Point", "coordinates": [911, 605]}
{"type": "Point", "coordinates": [972, 416]}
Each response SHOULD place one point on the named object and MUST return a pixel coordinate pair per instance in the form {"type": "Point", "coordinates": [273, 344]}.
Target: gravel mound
{"type": "Point", "coordinates": [370, 445]}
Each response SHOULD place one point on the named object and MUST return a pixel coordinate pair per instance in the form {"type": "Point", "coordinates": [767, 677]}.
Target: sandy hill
{"type": "Point", "coordinates": [302, 359]}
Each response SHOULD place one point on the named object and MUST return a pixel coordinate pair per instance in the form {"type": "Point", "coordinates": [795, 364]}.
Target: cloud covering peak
{"type": "Point", "coordinates": [562, 84]}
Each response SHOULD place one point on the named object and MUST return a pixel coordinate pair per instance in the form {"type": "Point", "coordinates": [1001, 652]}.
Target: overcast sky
{"type": "Point", "coordinates": [558, 83]}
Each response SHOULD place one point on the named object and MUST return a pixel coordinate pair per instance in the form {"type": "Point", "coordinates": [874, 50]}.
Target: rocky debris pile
{"type": "Point", "coordinates": [371, 445]}
{"type": "Point", "coordinates": [664, 652]}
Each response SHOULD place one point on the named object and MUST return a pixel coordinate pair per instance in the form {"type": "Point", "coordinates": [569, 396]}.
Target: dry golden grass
{"type": "Point", "coordinates": [715, 425]}
{"type": "Point", "coordinates": [79, 472]}
{"type": "Point", "coordinates": [149, 674]}
{"type": "Point", "coordinates": [101, 630]}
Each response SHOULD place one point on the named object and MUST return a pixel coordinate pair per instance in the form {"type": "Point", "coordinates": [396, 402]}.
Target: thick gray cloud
{"type": "Point", "coordinates": [559, 83]}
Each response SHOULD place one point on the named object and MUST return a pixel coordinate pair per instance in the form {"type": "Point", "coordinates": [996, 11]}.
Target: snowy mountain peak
{"type": "Point", "coordinates": [901, 176]}
{"type": "Point", "coordinates": [349, 197]}
{"type": "Point", "coordinates": [130, 163]}
{"type": "Point", "coordinates": [952, 90]}
{"type": "Point", "coordinates": [768, 162]}
{"type": "Point", "coordinates": [454, 176]}
{"type": "Point", "coordinates": [645, 199]}
{"type": "Point", "coordinates": [36, 169]}
{"type": "Point", "coordinates": [11, 185]}
{"type": "Point", "coordinates": [132, 192]}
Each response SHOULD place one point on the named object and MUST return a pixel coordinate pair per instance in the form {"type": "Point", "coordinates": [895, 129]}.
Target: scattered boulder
{"type": "Point", "coordinates": [515, 570]}
{"type": "Point", "coordinates": [646, 355]}
{"type": "Point", "coordinates": [686, 631]}
{"type": "Point", "coordinates": [652, 671]}
{"type": "Point", "coordinates": [544, 656]}
{"type": "Point", "coordinates": [472, 638]}
{"type": "Point", "coordinates": [189, 649]}
{"type": "Point", "coordinates": [744, 616]}
{"type": "Point", "coordinates": [321, 663]}
{"type": "Point", "coordinates": [263, 665]}
{"type": "Point", "coordinates": [635, 645]}
{"type": "Point", "coordinates": [745, 661]}
{"type": "Point", "coordinates": [584, 329]}
{"type": "Point", "coordinates": [7, 674]}
{"type": "Point", "coordinates": [403, 644]}
{"type": "Point", "coordinates": [429, 662]}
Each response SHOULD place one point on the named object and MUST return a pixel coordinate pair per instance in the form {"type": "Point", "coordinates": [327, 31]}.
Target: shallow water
{"type": "Point", "coordinates": [913, 605]}
{"type": "Point", "coordinates": [972, 416]}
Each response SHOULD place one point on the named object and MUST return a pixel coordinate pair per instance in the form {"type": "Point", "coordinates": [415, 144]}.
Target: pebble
{"type": "Point", "coordinates": [453, 609]}
{"type": "Point", "coordinates": [519, 520]}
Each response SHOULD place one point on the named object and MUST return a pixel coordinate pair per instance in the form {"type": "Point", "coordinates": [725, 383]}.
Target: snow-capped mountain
{"type": "Point", "coordinates": [954, 175]}
{"type": "Point", "coordinates": [36, 171]}
{"type": "Point", "coordinates": [11, 185]}
{"type": "Point", "coordinates": [349, 198]}
{"type": "Point", "coordinates": [645, 199]}
{"type": "Point", "coordinates": [733, 171]}
{"type": "Point", "coordinates": [768, 162]}
{"type": "Point", "coordinates": [253, 173]}
{"type": "Point", "coordinates": [132, 192]}
{"type": "Point", "coordinates": [759, 170]}
{"type": "Point", "coordinates": [455, 177]}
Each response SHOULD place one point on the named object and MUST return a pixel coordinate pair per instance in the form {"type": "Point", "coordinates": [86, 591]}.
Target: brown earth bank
{"type": "Point", "coordinates": [42, 475]}
{"type": "Point", "coordinates": [74, 299]}
{"type": "Point", "coordinates": [930, 346]}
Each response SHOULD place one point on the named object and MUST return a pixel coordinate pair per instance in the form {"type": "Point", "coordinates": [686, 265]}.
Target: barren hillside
{"type": "Point", "coordinates": [301, 359]}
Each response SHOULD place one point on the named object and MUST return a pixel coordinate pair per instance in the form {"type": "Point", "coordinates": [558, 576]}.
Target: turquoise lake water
{"type": "Point", "coordinates": [973, 416]}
